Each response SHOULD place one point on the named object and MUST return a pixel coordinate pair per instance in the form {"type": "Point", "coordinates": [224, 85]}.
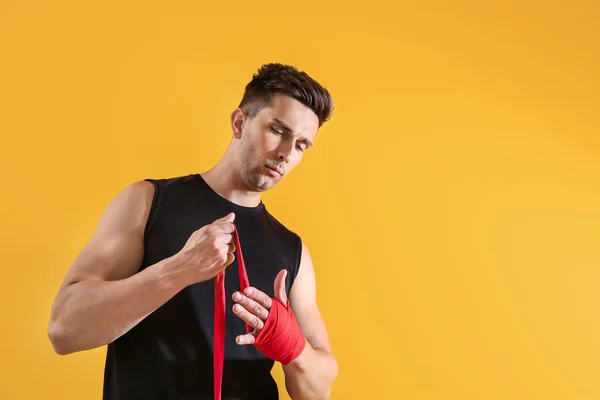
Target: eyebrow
{"type": "Point", "coordinates": [306, 140]}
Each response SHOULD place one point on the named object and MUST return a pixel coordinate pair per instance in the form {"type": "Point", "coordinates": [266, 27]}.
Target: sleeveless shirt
{"type": "Point", "coordinates": [169, 354]}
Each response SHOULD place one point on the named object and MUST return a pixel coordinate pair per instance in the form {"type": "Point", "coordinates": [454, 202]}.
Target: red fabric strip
{"type": "Point", "coordinates": [281, 339]}
{"type": "Point", "coordinates": [219, 328]}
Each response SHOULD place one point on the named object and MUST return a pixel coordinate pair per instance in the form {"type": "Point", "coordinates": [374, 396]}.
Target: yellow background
{"type": "Point", "coordinates": [452, 205]}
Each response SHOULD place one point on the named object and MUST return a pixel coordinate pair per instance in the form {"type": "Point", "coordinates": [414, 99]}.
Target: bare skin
{"type": "Point", "coordinates": [93, 307]}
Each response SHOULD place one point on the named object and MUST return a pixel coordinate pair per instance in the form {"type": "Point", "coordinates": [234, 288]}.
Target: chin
{"type": "Point", "coordinates": [260, 183]}
{"type": "Point", "coordinates": [267, 184]}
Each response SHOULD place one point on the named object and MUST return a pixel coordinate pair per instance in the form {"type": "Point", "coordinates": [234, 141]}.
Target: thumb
{"type": "Point", "coordinates": [280, 287]}
{"type": "Point", "coordinates": [228, 218]}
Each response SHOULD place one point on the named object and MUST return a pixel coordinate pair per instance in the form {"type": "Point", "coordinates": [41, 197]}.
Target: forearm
{"type": "Point", "coordinates": [92, 313]}
{"type": "Point", "coordinates": [311, 375]}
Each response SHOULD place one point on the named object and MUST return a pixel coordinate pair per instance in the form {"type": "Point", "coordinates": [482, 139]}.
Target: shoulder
{"type": "Point", "coordinates": [157, 188]}
{"type": "Point", "coordinates": [150, 195]}
{"type": "Point", "coordinates": [278, 224]}
{"type": "Point", "coordinates": [289, 242]}
{"type": "Point", "coordinates": [129, 208]}
{"type": "Point", "coordinates": [171, 181]}
{"type": "Point", "coordinates": [284, 233]}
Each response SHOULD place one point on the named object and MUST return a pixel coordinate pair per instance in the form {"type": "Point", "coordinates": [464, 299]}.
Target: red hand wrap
{"type": "Point", "coordinates": [280, 339]}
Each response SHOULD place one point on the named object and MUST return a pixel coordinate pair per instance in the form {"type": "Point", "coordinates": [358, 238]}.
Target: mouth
{"type": "Point", "coordinates": [275, 172]}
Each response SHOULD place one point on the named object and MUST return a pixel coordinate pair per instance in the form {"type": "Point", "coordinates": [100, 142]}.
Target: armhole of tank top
{"type": "Point", "coordinates": [298, 259]}
{"type": "Point", "coordinates": [153, 210]}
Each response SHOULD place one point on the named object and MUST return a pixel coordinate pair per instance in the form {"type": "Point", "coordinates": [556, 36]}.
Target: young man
{"type": "Point", "coordinates": [148, 282]}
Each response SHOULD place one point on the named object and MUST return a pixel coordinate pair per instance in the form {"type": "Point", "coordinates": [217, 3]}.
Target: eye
{"type": "Point", "coordinates": [301, 147]}
{"type": "Point", "coordinates": [275, 131]}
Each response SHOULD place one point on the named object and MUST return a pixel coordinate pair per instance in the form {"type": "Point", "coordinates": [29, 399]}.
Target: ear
{"type": "Point", "coordinates": [238, 117]}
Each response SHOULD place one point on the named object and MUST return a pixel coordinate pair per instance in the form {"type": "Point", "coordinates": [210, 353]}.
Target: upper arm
{"type": "Point", "coordinates": [116, 248]}
{"type": "Point", "coordinates": [303, 301]}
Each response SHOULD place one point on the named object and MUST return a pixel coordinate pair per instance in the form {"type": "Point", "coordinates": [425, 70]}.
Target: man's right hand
{"type": "Point", "coordinates": [208, 251]}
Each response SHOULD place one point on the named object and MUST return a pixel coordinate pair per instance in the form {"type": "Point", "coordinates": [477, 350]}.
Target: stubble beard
{"type": "Point", "coordinates": [250, 166]}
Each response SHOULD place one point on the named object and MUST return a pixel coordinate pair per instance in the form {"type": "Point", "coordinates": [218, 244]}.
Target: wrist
{"type": "Point", "coordinates": [171, 275]}
{"type": "Point", "coordinates": [301, 362]}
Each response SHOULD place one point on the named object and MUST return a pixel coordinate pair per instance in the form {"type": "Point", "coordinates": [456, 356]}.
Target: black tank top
{"type": "Point", "coordinates": [169, 354]}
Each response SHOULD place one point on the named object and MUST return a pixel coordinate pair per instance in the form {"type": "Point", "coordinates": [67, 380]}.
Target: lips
{"type": "Point", "coordinates": [274, 169]}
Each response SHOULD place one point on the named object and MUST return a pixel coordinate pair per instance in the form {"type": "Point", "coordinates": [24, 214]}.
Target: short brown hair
{"type": "Point", "coordinates": [274, 78]}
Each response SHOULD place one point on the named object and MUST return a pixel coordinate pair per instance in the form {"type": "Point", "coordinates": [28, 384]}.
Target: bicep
{"type": "Point", "coordinates": [303, 301]}
{"type": "Point", "coordinates": [115, 250]}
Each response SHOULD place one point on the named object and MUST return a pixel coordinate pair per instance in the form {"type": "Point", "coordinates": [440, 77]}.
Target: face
{"type": "Point", "coordinates": [272, 143]}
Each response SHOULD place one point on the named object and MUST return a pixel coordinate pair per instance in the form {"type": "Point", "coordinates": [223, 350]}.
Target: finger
{"type": "Point", "coordinates": [248, 317]}
{"type": "Point", "coordinates": [221, 239]}
{"type": "Point", "coordinates": [230, 248]}
{"type": "Point", "coordinates": [230, 258]}
{"type": "Point", "coordinates": [279, 286]}
{"type": "Point", "coordinates": [245, 339]}
{"type": "Point", "coordinates": [225, 238]}
{"type": "Point", "coordinates": [228, 218]}
{"type": "Point", "coordinates": [251, 305]}
{"type": "Point", "coordinates": [221, 228]}
{"type": "Point", "coordinates": [258, 296]}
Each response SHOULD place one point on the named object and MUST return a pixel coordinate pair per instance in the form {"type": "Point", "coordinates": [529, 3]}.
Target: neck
{"type": "Point", "coordinates": [222, 178]}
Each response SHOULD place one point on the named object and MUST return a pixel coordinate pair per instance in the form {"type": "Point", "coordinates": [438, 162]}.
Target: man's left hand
{"type": "Point", "coordinates": [253, 307]}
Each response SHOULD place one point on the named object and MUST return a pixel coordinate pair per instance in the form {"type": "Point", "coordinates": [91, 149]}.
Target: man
{"type": "Point", "coordinates": [146, 284]}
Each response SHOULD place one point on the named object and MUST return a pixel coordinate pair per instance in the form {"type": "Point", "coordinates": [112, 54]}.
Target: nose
{"type": "Point", "coordinates": [285, 151]}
